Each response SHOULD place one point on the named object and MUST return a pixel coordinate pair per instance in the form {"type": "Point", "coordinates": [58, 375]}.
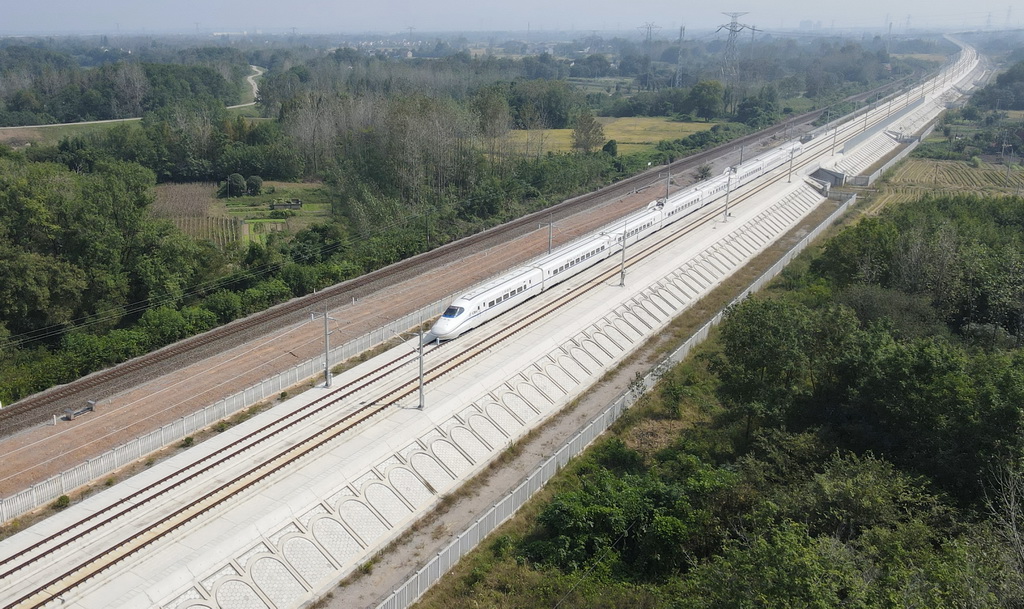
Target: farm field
{"type": "Point", "coordinates": [632, 134]}
{"type": "Point", "coordinates": [196, 210]}
{"type": "Point", "coordinates": [603, 85]}
{"type": "Point", "coordinates": [915, 178]}
{"type": "Point", "coordinates": [932, 57]}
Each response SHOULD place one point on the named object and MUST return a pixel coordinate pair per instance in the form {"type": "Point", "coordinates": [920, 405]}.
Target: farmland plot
{"type": "Point", "coordinates": [196, 211]}
{"type": "Point", "coordinates": [957, 176]}
{"type": "Point", "coordinates": [916, 178]}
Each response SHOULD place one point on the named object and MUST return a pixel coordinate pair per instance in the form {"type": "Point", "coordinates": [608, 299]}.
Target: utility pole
{"type": "Point", "coordinates": [622, 270]}
{"type": "Point", "coordinates": [649, 28]}
{"type": "Point", "coordinates": [668, 182]}
{"type": "Point", "coordinates": [423, 402]}
{"type": "Point", "coordinates": [792, 151]}
{"type": "Point", "coordinates": [327, 344]}
{"type": "Point", "coordinates": [549, 224]}
{"type": "Point", "coordinates": [728, 191]}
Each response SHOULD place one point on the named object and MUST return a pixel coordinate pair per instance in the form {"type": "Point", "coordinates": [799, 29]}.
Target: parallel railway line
{"type": "Point", "coordinates": [39, 408]}
{"type": "Point", "coordinates": [209, 500]}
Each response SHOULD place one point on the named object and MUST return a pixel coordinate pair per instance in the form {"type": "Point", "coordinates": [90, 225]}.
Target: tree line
{"type": "Point", "coordinates": [42, 86]}
{"type": "Point", "coordinates": [413, 153]}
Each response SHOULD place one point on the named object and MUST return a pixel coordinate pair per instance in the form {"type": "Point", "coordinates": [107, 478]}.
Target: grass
{"type": "Point", "coordinates": [51, 135]}
{"type": "Point", "coordinates": [632, 134]}
{"type": "Point", "coordinates": [932, 57]}
{"type": "Point", "coordinates": [602, 85]}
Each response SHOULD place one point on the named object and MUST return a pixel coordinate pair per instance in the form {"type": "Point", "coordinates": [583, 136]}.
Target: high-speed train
{"type": "Point", "coordinates": [493, 298]}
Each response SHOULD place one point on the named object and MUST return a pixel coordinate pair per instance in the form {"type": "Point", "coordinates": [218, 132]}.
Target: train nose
{"type": "Point", "coordinates": [444, 328]}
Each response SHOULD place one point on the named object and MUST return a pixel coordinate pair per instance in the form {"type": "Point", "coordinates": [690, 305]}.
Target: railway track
{"type": "Point", "coordinates": [211, 467]}
{"type": "Point", "coordinates": [97, 386]}
{"type": "Point", "coordinates": [103, 384]}
{"type": "Point", "coordinates": [203, 473]}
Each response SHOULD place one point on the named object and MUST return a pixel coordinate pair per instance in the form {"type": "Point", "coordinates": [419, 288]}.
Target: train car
{"type": "Point", "coordinates": [502, 294]}
{"type": "Point", "coordinates": [488, 301]}
{"type": "Point", "coordinates": [508, 291]}
{"type": "Point", "coordinates": [681, 204]}
{"type": "Point", "coordinates": [715, 187]}
{"type": "Point", "coordinates": [574, 258]}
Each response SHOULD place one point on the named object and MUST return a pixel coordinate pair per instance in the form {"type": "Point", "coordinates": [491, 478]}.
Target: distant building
{"type": "Point", "coordinates": [292, 204]}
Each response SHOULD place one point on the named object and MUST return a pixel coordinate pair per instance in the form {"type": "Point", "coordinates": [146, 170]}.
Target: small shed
{"type": "Point", "coordinates": [290, 204]}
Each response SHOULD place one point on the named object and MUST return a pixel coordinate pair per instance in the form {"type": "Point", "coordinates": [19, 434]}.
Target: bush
{"type": "Point", "coordinates": [254, 185]}
{"type": "Point", "coordinates": [62, 502]}
{"type": "Point", "coordinates": [234, 186]}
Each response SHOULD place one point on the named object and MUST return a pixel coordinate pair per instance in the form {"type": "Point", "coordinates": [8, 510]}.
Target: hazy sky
{"type": "Point", "coordinates": [20, 17]}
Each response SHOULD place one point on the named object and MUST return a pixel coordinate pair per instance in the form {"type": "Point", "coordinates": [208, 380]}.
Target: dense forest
{"type": "Point", "coordinates": [413, 152]}
{"type": "Point", "coordinates": [850, 439]}
{"type": "Point", "coordinates": [41, 86]}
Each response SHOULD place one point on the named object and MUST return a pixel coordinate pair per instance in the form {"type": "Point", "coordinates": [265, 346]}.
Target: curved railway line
{"type": "Point", "coordinates": [100, 385]}
{"type": "Point", "coordinates": [89, 535]}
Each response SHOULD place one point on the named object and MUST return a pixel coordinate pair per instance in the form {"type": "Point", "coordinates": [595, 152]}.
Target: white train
{"type": "Point", "coordinates": [507, 291]}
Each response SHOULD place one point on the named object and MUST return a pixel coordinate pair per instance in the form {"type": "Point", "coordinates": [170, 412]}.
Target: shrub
{"type": "Point", "coordinates": [254, 185]}
{"type": "Point", "coordinates": [62, 502]}
{"type": "Point", "coordinates": [235, 186]}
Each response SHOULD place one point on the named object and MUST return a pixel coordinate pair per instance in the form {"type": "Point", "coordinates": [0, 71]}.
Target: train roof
{"type": "Point", "coordinates": [512, 275]}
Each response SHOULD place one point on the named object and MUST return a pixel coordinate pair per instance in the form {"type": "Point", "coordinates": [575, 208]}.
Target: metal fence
{"type": "Point", "coordinates": [93, 469]}
{"type": "Point", "coordinates": [406, 594]}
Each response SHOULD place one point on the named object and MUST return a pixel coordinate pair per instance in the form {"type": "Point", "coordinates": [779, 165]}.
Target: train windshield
{"type": "Point", "coordinates": [453, 312]}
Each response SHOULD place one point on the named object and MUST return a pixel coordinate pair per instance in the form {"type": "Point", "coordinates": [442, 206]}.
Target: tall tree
{"type": "Point", "coordinates": [706, 99]}
{"type": "Point", "coordinates": [588, 134]}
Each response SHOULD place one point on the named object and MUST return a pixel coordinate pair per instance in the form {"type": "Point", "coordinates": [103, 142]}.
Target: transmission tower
{"type": "Point", "coordinates": [678, 80]}
{"type": "Point", "coordinates": [649, 28]}
{"type": "Point", "coordinates": [734, 28]}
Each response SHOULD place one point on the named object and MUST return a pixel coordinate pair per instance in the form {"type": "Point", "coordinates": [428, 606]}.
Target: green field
{"type": "Point", "coordinates": [632, 134]}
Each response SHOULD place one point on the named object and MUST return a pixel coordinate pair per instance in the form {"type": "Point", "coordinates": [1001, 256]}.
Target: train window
{"type": "Point", "coordinates": [451, 312]}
